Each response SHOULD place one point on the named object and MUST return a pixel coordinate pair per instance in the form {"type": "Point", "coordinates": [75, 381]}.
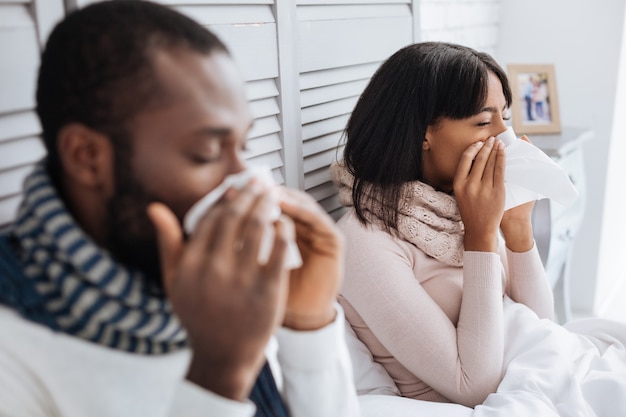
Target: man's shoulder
{"type": "Point", "coordinates": [9, 263]}
{"type": "Point", "coordinates": [19, 330]}
{"type": "Point", "coordinates": [16, 290]}
{"type": "Point", "coordinates": [46, 371]}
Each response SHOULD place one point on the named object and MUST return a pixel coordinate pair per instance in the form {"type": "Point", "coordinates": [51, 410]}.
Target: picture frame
{"type": "Point", "coordinates": [535, 107]}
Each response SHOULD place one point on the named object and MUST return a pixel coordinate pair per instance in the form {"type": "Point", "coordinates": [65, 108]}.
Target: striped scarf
{"type": "Point", "coordinates": [82, 289]}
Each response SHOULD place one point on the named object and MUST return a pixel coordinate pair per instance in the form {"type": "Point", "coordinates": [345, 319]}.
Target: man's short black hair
{"type": "Point", "coordinates": [96, 68]}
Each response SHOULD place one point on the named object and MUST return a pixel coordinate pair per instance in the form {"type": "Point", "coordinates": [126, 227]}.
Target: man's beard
{"type": "Point", "coordinates": [131, 236]}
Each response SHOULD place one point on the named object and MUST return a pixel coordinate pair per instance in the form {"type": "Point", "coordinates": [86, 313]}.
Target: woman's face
{"type": "Point", "coordinates": [447, 139]}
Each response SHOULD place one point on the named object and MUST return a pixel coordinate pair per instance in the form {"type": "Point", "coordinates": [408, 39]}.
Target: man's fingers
{"type": "Point", "coordinates": [304, 210]}
{"type": "Point", "coordinates": [170, 240]}
{"type": "Point", "coordinates": [219, 231]}
{"type": "Point", "coordinates": [284, 233]}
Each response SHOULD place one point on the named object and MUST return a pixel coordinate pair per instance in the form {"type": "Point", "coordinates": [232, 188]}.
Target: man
{"type": "Point", "coordinates": [109, 308]}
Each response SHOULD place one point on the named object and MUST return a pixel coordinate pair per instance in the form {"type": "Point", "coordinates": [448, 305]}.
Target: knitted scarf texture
{"type": "Point", "coordinates": [427, 218]}
{"type": "Point", "coordinates": [81, 288]}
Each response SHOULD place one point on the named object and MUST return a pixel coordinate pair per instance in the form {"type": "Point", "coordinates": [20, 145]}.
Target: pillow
{"type": "Point", "coordinates": [378, 394]}
{"type": "Point", "coordinates": [369, 377]}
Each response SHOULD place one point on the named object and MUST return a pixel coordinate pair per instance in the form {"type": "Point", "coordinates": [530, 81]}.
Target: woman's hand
{"type": "Point", "coordinates": [314, 286]}
{"type": "Point", "coordinates": [516, 225]}
{"type": "Point", "coordinates": [228, 303]}
{"type": "Point", "coordinates": [479, 191]}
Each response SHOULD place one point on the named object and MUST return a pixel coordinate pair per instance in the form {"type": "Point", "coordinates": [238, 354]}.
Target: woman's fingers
{"type": "Point", "coordinates": [479, 191]}
{"type": "Point", "coordinates": [483, 160]}
{"type": "Point", "coordinates": [467, 160]}
{"type": "Point", "coordinates": [500, 164]}
{"type": "Point", "coordinates": [494, 169]}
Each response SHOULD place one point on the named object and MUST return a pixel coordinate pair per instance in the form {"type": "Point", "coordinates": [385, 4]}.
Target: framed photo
{"type": "Point", "coordinates": [535, 107]}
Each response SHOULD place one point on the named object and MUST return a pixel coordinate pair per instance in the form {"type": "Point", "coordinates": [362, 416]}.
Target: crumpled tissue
{"type": "Point", "coordinates": [239, 180]}
{"type": "Point", "coordinates": [532, 175]}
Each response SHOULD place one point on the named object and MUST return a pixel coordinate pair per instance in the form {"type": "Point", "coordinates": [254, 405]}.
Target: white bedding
{"type": "Point", "coordinates": [551, 370]}
{"type": "Point", "coordinates": [574, 370]}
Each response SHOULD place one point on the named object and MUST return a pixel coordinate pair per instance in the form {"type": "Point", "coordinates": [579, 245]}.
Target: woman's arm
{"type": "Point", "coordinates": [527, 282]}
{"type": "Point", "coordinates": [463, 363]}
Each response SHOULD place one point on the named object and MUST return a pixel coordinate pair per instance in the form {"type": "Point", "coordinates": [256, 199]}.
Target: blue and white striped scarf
{"type": "Point", "coordinates": [84, 291]}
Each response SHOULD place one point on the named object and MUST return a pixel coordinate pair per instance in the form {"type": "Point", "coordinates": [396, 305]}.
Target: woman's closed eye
{"type": "Point", "coordinates": [488, 122]}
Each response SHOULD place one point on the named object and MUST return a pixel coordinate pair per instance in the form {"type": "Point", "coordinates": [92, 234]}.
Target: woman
{"type": "Point", "coordinates": [426, 270]}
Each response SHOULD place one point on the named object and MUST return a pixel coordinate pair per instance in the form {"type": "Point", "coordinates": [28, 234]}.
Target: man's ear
{"type": "Point", "coordinates": [86, 155]}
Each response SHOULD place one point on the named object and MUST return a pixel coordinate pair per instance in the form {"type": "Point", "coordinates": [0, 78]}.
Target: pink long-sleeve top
{"type": "Point", "coordinates": [436, 329]}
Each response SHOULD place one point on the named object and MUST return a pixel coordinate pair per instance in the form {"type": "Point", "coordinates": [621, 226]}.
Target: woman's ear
{"type": "Point", "coordinates": [86, 156]}
{"type": "Point", "coordinates": [426, 141]}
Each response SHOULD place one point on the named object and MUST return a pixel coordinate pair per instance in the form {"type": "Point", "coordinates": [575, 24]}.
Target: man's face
{"type": "Point", "coordinates": [181, 149]}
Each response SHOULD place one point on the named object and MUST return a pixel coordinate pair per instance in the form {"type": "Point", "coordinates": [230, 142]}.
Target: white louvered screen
{"type": "Point", "coordinates": [305, 63]}
{"type": "Point", "coordinates": [23, 24]}
{"type": "Point", "coordinates": [249, 32]}
{"type": "Point", "coordinates": [341, 45]}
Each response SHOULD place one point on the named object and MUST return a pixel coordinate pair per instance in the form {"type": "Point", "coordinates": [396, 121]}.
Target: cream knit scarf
{"type": "Point", "coordinates": [427, 218]}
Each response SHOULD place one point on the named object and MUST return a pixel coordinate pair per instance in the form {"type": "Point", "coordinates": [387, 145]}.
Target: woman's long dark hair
{"type": "Point", "coordinates": [413, 89]}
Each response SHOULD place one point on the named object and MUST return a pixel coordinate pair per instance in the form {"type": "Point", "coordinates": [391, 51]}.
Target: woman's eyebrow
{"type": "Point", "coordinates": [492, 109]}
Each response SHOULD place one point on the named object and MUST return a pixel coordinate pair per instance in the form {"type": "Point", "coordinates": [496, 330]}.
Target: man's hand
{"type": "Point", "coordinates": [228, 303]}
{"type": "Point", "coordinates": [313, 287]}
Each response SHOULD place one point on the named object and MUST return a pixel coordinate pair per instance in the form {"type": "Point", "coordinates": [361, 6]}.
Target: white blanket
{"type": "Point", "coordinates": [550, 371]}
{"type": "Point", "coordinates": [565, 371]}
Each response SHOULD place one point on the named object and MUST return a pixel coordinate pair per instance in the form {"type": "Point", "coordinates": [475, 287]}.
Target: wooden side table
{"type": "Point", "coordinates": [556, 226]}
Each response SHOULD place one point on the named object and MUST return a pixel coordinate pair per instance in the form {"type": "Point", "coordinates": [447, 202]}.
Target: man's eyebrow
{"type": "Point", "coordinates": [212, 131]}
{"type": "Point", "coordinates": [217, 131]}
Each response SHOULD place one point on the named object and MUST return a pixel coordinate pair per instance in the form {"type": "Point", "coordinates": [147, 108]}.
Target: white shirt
{"type": "Point", "coordinates": [43, 373]}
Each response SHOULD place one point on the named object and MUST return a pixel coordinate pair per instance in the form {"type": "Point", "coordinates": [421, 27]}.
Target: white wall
{"type": "Point", "coordinates": [473, 23]}
{"type": "Point", "coordinates": [611, 269]}
{"type": "Point", "coordinates": [583, 39]}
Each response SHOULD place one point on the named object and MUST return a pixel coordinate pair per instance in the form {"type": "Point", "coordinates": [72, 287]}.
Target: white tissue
{"type": "Point", "coordinates": [239, 180]}
{"type": "Point", "coordinates": [531, 174]}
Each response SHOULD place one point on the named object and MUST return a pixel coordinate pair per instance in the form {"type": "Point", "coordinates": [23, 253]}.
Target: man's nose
{"type": "Point", "coordinates": [238, 162]}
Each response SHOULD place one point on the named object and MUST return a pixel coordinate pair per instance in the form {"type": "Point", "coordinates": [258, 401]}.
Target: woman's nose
{"type": "Point", "coordinates": [498, 127]}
